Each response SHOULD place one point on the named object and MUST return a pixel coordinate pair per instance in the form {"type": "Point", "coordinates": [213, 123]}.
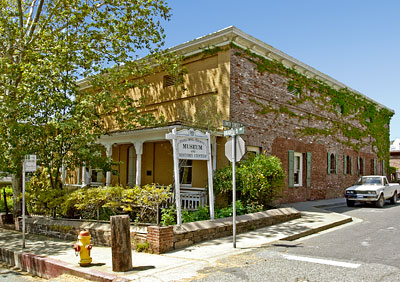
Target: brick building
{"type": "Point", "coordinates": [325, 133]}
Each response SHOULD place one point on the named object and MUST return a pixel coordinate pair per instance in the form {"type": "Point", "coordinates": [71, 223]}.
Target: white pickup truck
{"type": "Point", "coordinates": [373, 188]}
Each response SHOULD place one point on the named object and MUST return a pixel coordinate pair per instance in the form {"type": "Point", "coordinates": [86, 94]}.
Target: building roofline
{"type": "Point", "coordinates": [234, 35]}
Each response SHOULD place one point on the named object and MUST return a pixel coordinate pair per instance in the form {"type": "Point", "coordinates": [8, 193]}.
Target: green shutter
{"type": "Point", "coordinates": [344, 164]}
{"type": "Point", "coordinates": [383, 167]}
{"type": "Point", "coordinates": [291, 169]}
{"type": "Point", "coordinates": [358, 166]}
{"type": "Point", "coordinates": [308, 179]}
{"type": "Point", "coordinates": [351, 165]}
{"type": "Point", "coordinates": [363, 167]}
{"type": "Point", "coordinates": [336, 163]}
{"type": "Point", "coordinates": [374, 166]}
{"type": "Point", "coordinates": [329, 163]}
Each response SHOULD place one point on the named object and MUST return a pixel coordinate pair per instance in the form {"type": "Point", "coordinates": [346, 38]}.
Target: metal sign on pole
{"type": "Point", "coordinates": [231, 147]}
{"type": "Point", "coordinates": [28, 165]}
{"type": "Point", "coordinates": [234, 188]}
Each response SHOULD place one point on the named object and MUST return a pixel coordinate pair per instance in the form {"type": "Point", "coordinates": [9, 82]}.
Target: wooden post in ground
{"type": "Point", "coordinates": [121, 243]}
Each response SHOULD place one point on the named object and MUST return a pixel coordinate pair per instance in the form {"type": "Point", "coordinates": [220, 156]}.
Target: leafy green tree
{"type": "Point", "coordinates": [46, 48]}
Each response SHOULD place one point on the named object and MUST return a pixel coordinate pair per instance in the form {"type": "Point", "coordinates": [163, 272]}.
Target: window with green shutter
{"type": "Point", "coordinates": [336, 163]}
{"type": "Point", "coordinates": [351, 165]}
{"type": "Point", "coordinates": [332, 163]}
{"type": "Point", "coordinates": [295, 169]}
{"type": "Point", "coordinates": [329, 163]}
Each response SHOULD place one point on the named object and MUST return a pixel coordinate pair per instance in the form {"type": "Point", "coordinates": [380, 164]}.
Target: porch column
{"type": "Point", "coordinates": [139, 150]}
{"type": "Point", "coordinates": [108, 154]}
{"type": "Point", "coordinates": [63, 174]}
{"type": "Point", "coordinates": [78, 176]}
{"type": "Point", "coordinates": [85, 179]}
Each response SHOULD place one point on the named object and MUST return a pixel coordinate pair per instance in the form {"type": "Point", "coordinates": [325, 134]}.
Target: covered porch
{"type": "Point", "coordinates": [146, 157]}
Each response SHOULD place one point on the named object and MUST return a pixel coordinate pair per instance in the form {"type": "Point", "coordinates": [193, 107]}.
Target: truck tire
{"type": "Point", "coordinates": [393, 200]}
{"type": "Point", "coordinates": [350, 203]}
{"type": "Point", "coordinates": [381, 202]}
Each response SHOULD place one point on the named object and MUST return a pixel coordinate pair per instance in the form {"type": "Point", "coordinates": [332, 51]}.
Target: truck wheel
{"type": "Point", "coordinates": [381, 202]}
{"type": "Point", "coordinates": [393, 200]}
{"type": "Point", "coordinates": [350, 203]}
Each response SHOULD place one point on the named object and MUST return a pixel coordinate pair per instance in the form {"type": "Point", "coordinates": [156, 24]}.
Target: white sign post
{"type": "Point", "coordinates": [29, 165]}
{"type": "Point", "coordinates": [190, 144]}
{"type": "Point", "coordinates": [234, 151]}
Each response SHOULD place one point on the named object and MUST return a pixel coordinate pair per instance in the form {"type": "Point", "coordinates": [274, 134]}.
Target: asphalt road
{"type": "Point", "coordinates": [365, 250]}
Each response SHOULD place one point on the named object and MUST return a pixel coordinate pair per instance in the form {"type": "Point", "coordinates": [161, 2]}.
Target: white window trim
{"type": "Point", "coordinates": [300, 169]}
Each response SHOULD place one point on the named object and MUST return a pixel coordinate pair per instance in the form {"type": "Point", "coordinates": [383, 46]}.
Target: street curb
{"type": "Point", "coordinates": [317, 229]}
{"type": "Point", "coordinates": [49, 268]}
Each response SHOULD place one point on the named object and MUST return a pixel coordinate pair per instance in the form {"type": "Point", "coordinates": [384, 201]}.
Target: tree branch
{"type": "Point", "coordinates": [21, 19]}
{"type": "Point", "coordinates": [30, 13]}
{"type": "Point", "coordinates": [36, 19]}
{"type": "Point", "coordinates": [46, 22]}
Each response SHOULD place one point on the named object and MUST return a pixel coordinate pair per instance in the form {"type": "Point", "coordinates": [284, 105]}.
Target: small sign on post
{"type": "Point", "coordinates": [29, 165]}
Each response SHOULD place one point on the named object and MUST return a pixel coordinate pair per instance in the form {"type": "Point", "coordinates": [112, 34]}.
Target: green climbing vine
{"type": "Point", "coordinates": [345, 104]}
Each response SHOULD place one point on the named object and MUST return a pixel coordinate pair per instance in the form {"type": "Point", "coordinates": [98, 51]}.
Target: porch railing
{"type": "Point", "coordinates": [193, 200]}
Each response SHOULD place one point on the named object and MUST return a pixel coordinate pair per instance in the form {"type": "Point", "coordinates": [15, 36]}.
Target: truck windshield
{"type": "Point", "coordinates": [369, 181]}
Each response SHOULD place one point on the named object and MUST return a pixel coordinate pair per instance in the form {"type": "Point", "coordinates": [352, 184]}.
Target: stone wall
{"type": "Point", "coordinates": [69, 229]}
{"type": "Point", "coordinates": [194, 232]}
{"type": "Point", "coordinates": [160, 239]}
{"type": "Point", "coordinates": [276, 131]}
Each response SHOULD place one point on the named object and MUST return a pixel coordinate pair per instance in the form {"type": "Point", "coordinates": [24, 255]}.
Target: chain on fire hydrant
{"type": "Point", "coordinates": [83, 247]}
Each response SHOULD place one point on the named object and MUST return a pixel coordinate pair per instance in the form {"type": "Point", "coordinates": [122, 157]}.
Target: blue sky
{"type": "Point", "coordinates": [354, 41]}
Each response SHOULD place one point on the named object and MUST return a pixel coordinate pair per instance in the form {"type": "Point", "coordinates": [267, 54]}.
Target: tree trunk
{"type": "Point", "coordinates": [5, 201]}
{"type": "Point", "coordinates": [17, 191]}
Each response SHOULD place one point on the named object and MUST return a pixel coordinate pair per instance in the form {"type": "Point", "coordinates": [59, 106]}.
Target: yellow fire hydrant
{"type": "Point", "coordinates": [83, 247]}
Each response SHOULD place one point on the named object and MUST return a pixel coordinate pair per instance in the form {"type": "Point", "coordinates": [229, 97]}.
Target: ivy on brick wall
{"type": "Point", "coordinates": [346, 105]}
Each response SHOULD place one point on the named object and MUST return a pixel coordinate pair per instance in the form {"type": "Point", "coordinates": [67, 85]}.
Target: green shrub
{"type": "Point", "coordinates": [168, 216]}
{"type": "Point", "coordinates": [92, 200]}
{"type": "Point", "coordinates": [259, 180]}
{"type": "Point", "coordinates": [142, 247]}
{"type": "Point", "coordinates": [202, 213]}
{"type": "Point", "coordinates": [228, 211]}
{"type": "Point", "coordinates": [140, 202]}
{"type": "Point", "coordinates": [41, 198]}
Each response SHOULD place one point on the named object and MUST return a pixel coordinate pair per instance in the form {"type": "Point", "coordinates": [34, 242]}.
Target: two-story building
{"type": "Point", "coordinates": [325, 133]}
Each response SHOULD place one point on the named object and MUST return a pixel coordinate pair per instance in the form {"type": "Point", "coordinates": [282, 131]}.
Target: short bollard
{"type": "Point", "coordinates": [121, 249]}
{"type": "Point", "coordinates": [83, 247]}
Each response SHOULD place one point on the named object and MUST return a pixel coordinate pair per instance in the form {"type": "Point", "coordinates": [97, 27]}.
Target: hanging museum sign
{"type": "Point", "coordinates": [192, 149]}
{"type": "Point", "coordinates": [190, 144]}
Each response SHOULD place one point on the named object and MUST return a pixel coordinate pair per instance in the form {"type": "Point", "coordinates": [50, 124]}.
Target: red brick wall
{"type": "Point", "coordinates": [276, 133]}
{"type": "Point", "coordinates": [161, 239]}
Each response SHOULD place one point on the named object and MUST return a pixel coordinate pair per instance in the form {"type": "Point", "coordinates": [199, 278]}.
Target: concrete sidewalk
{"type": "Point", "coordinates": [50, 257]}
